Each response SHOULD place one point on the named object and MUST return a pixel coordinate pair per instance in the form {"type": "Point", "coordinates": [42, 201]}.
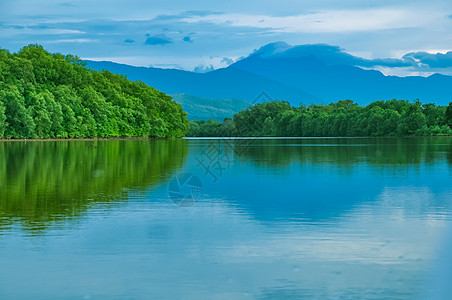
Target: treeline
{"type": "Point", "coordinates": [44, 95]}
{"type": "Point", "coordinates": [344, 118]}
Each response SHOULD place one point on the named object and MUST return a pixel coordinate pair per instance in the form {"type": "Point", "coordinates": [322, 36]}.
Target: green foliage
{"type": "Point", "coordinates": [208, 128]}
{"type": "Point", "coordinates": [344, 118]}
{"type": "Point", "coordinates": [44, 95]}
{"type": "Point", "coordinates": [448, 114]}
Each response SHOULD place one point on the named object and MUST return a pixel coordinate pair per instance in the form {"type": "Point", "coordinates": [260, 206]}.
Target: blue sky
{"type": "Point", "coordinates": [201, 35]}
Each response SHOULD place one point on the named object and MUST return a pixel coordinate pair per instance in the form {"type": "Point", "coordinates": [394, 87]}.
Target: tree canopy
{"type": "Point", "coordinates": [45, 95]}
{"type": "Point", "coordinates": [343, 118]}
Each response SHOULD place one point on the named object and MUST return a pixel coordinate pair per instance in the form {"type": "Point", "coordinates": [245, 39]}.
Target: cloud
{"type": "Point", "coordinates": [414, 62]}
{"type": "Point", "coordinates": [364, 30]}
{"type": "Point", "coordinates": [326, 53]}
{"type": "Point", "coordinates": [14, 26]}
{"type": "Point", "coordinates": [160, 39]}
{"type": "Point", "coordinates": [329, 21]}
{"type": "Point", "coordinates": [78, 41]}
{"type": "Point", "coordinates": [227, 61]}
{"type": "Point", "coordinates": [187, 14]}
{"type": "Point", "coordinates": [41, 29]}
{"type": "Point", "coordinates": [68, 4]}
{"type": "Point", "coordinates": [203, 69]}
{"type": "Point", "coordinates": [111, 36]}
{"type": "Point", "coordinates": [201, 13]}
{"type": "Point", "coordinates": [437, 60]}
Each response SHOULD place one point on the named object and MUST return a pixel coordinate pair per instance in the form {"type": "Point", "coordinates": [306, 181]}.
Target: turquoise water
{"type": "Point", "coordinates": [226, 219]}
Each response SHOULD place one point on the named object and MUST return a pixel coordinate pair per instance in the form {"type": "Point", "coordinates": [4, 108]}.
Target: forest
{"type": "Point", "coordinates": [343, 118]}
{"type": "Point", "coordinates": [45, 95]}
{"type": "Point", "coordinates": [51, 95]}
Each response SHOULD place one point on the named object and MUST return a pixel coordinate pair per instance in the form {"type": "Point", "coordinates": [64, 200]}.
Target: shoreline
{"type": "Point", "coordinates": [206, 138]}
{"type": "Point", "coordinates": [88, 139]}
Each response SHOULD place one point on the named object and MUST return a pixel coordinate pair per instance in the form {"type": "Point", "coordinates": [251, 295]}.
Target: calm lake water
{"type": "Point", "coordinates": [306, 218]}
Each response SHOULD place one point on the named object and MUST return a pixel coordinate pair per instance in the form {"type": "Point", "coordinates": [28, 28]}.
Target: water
{"type": "Point", "coordinates": [268, 219]}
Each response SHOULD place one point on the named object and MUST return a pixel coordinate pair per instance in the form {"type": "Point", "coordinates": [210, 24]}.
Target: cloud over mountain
{"type": "Point", "coordinates": [437, 60]}
{"type": "Point", "coordinates": [335, 55]}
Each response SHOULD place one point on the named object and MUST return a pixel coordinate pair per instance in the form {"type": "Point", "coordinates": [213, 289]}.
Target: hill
{"type": "Point", "coordinates": [198, 108]}
{"type": "Point", "coordinates": [44, 95]}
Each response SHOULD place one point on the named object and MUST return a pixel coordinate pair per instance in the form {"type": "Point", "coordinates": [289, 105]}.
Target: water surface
{"type": "Point", "coordinates": [350, 218]}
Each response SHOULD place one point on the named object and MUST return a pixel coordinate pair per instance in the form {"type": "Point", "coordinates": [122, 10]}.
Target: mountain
{"type": "Point", "coordinates": [51, 95]}
{"type": "Point", "coordinates": [227, 83]}
{"type": "Point", "coordinates": [307, 73]}
{"type": "Point", "coordinates": [331, 74]}
{"type": "Point", "coordinates": [203, 109]}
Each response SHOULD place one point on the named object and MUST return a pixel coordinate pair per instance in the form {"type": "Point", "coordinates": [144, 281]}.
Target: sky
{"type": "Point", "coordinates": [204, 35]}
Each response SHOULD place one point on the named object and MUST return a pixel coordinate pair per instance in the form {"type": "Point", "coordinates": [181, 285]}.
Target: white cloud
{"type": "Point", "coordinates": [330, 21]}
{"type": "Point", "coordinates": [71, 41]}
{"type": "Point", "coordinates": [14, 32]}
{"type": "Point", "coordinates": [57, 31]}
{"type": "Point", "coordinates": [400, 53]}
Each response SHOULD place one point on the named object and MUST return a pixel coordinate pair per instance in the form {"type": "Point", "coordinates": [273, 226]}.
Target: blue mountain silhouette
{"type": "Point", "coordinates": [227, 83]}
{"type": "Point", "coordinates": [331, 74]}
{"type": "Point", "coordinates": [307, 73]}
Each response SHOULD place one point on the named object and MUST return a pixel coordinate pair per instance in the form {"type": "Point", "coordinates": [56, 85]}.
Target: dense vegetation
{"type": "Point", "coordinates": [44, 95]}
{"type": "Point", "coordinates": [344, 118]}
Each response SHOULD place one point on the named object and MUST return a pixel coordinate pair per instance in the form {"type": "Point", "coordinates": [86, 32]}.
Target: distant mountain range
{"type": "Point", "coordinates": [227, 83]}
{"type": "Point", "coordinates": [306, 73]}
{"type": "Point", "coordinates": [331, 75]}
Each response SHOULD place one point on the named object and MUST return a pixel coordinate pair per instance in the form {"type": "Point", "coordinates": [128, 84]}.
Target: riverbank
{"type": "Point", "coordinates": [88, 139]}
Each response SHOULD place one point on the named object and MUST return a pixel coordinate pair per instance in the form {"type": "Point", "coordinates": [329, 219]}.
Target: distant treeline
{"type": "Point", "coordinates": [44, 95]}
{"type": "Point", "coordinates": [344, 118]}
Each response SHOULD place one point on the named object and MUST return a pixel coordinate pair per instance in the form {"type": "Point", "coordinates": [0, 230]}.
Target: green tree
{"type": "Point", "coordinates": [18, 119]}
{"type": "Point", "coordinates": [55, 95]}
{"type": "Point", "coordinates": [343, 118]}
{"type": "Point", "coordinates": [448, 114]}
